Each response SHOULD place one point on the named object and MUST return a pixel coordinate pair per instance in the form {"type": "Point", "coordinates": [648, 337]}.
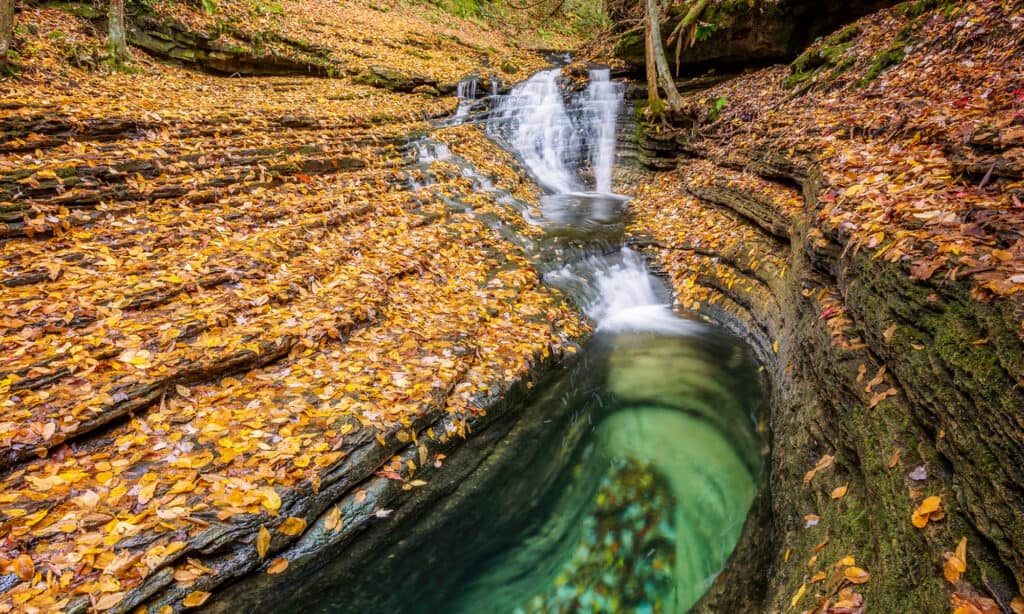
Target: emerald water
{"type": "Point", "coordinates": [622, 482]}
{"type": "Point", "coordinates": [621, 485]}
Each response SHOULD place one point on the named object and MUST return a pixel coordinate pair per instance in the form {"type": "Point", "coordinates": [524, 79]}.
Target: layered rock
{"type": "Point", "coordinates": [832, 221]}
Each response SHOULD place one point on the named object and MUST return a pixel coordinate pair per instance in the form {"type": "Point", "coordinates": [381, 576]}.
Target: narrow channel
{"type": "Point", "coordinates": [623, 483]}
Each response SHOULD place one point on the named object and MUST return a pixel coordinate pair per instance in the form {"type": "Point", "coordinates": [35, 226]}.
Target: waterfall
{"type": "Point", "coordinates": [605, 98]}
{"type": "Point", "coordinates": [556, 132]}
{"type": "Point", "coordinates": [465, 91]}
{"type": "Point", "coordinates": [621, 295]}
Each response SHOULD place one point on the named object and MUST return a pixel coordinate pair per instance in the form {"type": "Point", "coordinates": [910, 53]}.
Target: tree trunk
{"type": "Point", "coordinates": [653, 98]}
{"type": "Point", "coordinates": [672, 97]}
{"type": "Point", "coordinates": [6, 30]}
{"type": "Point", "coordinates": [115, 31]}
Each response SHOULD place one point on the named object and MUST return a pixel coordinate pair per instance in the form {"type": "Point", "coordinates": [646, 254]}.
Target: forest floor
{"type": "Point", "coordinates": [217, 289]}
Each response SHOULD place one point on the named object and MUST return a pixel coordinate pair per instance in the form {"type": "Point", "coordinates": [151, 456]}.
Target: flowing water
{"type": "Point", "coordinates": [624, 482]}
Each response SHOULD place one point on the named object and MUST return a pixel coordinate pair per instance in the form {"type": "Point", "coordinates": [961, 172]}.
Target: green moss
{"type": "Point", "coordinates": [916, 8]}
{"type": "Point", "coordinates": [628, 44]}
{"type": "Point", "coordinates": [885, 59]}
{"type": "Point", "coordinates": [829, 53]}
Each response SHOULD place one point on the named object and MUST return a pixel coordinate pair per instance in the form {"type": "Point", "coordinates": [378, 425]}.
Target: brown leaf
{"type": "Point", "coordinates": [823, 463]}
{"type": "Point", "coordinates": [108, 601]}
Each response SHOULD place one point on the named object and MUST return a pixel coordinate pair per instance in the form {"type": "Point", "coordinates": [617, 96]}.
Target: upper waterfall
{"type": "Point", "coordinates": [556, 131]}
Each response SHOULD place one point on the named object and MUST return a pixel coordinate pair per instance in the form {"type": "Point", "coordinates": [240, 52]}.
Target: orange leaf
{"type": "Point", "coordinates": [24, 567]}
{"type": "Point", "coordinates": [823, 463]}
{"type": "Point", "coordinates": [929, 505]}
{"type": "Point", "coordinates": [195, 599]}
{"type": "Point", "coordinates": [292, 526]}
{"type": "Point", "coordinates": [840, 491]}
{"type": "Point", "coordinates": [895, 459]}
{"type": "Point", "coordinates": [278, 566]}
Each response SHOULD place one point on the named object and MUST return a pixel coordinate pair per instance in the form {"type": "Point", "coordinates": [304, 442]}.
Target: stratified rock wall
{"type": "Point", "coordinates": [742, 32]}
{"type": "Point", "coordinates": [829, 219]}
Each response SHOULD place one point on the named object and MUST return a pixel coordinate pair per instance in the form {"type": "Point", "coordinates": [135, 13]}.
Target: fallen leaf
{"type": "Point", "coordinates": [195, 599]}
{"type": "Point", "coordinates": [823, 463]}
{"type": "Point", "coordinates": [839, 491]}
{"type": "Point", "coordinates": [856, 575]}
{"type": "Point", "coordinates": [895, 458]}
{"type": "Point", "coordinates": [333, 520]}
{"type": "Point", "coordinates": [929, 510]}
{"type": "Point", "coordinates": [108, 601]}
{"type": "Point", "coordinates": [956, 562]}
{"type": "Point", "coordinates": [798, 596]}
{"type": "Point", "coordinates": [24, 567]}
{"type": "Point", "coordinates": [262, 541]}
{"type": "Point", "coordinates": [292, 526]}
{"type": "Point", "coordinates": [889, 332]}
{"type": "Point", "coordinates": [278, 566]}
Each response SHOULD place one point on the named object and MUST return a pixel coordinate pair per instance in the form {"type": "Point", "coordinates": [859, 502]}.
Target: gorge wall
{"type": "Point", "coordinates": [857, 216]}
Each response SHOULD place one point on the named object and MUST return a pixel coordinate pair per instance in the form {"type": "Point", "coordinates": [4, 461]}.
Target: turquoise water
{"type": "Point", "coordinates": [621, 485]}
{"type": "Point", "coordinates": [623, 482]}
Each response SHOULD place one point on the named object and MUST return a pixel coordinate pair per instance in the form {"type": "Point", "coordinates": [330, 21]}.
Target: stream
{"type": "Point", "coordinates": [623, 482]}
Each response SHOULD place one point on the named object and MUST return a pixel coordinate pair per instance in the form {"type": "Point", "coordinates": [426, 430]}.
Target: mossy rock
{"type": "Point", "coordinates": [391, 79]}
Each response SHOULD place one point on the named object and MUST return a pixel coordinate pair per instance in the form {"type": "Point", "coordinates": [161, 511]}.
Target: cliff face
{"type": "Point", "coordinates": [741, 32]}
{"type": "Point", "coordinates": [857, 216]}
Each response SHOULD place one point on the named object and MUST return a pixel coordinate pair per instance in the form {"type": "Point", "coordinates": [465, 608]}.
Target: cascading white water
{"type": "Point", "coordinates": [620, 296]}
{"type": "Point", "coordinates": [554, 138]}
{"type": "Point", "coordinates": [605, 98]}
{"type": "Point", "coordinates": [465, 91]}
{"type": "Point", "coordinates": [534, 118]}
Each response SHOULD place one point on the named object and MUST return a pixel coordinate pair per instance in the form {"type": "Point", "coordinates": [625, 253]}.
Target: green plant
{"type": "Point", "coordinates": [210, 7]}
{"type": "Point", "coordinates": [704, 31]}
{"type": "Point", "coordinates": [715, 108]}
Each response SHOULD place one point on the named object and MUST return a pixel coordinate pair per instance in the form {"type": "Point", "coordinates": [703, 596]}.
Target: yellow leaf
{"type": "Point", "coordinates": [856, 575]}
{"type": "Point", "coordinates": [278, 566]}
{"type": "Point", "coordinates": [292, 526]}
{"type": "Point", "coordinates": [798, 596]}
{"type": "Point", "coordinates": [271, 500]}
{"type": "Point", "coordinates": [262, 541]}
{"type": "Point", "coordinates": [930, 509]}
{"type": "Point", "coordinates": [846, 561]}
{"type": "Point", "coordinates": [195, 599]}
{"type": "Point", "coordinates": [333, 520]}
{"type": "Point", "coordinates": [839, 491]}
{"type": "Point", "coordinates": [956, 562]}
